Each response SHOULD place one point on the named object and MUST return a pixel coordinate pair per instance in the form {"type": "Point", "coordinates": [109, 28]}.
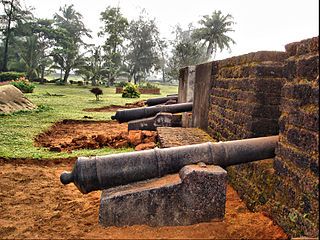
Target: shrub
{"type": "Point", "coordinates": [130, 91]}
{"type": "Point", "coordinates": [7, 76]}
{"type": "Point", "coordinates": [120, 84]}
{"type": "Point", "coordinates": [96, 91]}
{"type": "Point", "coordinates": [147, 85]}
{"type": "Point", "coordinates": [24, 85]}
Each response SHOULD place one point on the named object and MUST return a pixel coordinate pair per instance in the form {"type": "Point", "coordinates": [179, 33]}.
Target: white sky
{"type": "Point", "coordinates": [260, 25]}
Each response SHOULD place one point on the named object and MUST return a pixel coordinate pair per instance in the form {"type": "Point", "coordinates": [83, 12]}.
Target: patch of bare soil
{"type": "Point", "coordinates": [34, 204]}
{"type": "Point", "coordinates": [69, 135]}
{"type": "Point", "coordinates": [114, 108]}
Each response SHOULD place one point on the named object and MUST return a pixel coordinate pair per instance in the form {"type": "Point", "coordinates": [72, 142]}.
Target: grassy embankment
{"type": "Point", "coordinates": [17, 131]}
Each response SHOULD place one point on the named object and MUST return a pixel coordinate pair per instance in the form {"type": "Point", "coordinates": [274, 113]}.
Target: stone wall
{"type": "Point", "coordinates": [246, 96]}
{"type": "Point", "coordinates": [260, 94]}
{"type": "Point", "coordinates": [296, 165]}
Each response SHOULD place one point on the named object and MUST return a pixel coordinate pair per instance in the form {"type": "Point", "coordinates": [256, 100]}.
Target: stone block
{"type": "Point", "coordinates": [197, 194]}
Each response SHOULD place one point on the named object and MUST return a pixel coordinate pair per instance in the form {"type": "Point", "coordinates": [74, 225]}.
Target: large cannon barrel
{"type": "Point", "coordinates": [97, 173]}
{"type": "Point", "coordinates": [160, 100]}
{"type": "Point", "coordinates": [145, 112]}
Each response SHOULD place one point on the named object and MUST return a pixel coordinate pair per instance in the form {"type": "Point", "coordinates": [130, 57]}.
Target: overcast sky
{"type": "Point", "coordinates": [260, 25]}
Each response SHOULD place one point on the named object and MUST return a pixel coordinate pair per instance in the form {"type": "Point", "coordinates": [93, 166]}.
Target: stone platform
{"type": "Point", "coordinates": [197, 194]}
{"type": "Point", "coordinates": [174, 137]}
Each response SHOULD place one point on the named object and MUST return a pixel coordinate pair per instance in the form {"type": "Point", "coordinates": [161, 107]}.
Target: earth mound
{"type": "Point", "coordinates": [13, 100]}
{"type": "Point", "coordinates": [70, 135]}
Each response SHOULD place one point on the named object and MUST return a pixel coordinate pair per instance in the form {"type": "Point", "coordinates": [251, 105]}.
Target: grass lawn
{"type": "Point", "coordinates": [18, 130]}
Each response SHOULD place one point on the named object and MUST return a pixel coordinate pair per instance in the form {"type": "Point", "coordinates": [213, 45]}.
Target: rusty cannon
{"type": "Point", "coordinates": [162, 100]}
{"type": "Point", "coordinates": [97, 173]}
{"type": "Point", "coordinates": [145, 112]}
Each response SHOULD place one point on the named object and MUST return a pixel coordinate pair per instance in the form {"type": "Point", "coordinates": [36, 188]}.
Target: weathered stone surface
{"type": "Point", "coordinates": [13, 100]}
{"type": "Point", "coordinates": [197, 194]}
{"type": "Point", "coordinates": [186, 84]}
{"type": "Point", "coordinates": [174, 137]}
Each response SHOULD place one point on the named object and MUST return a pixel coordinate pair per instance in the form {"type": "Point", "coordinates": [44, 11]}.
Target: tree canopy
{"type": "Point", "coordinates": [130, 48]}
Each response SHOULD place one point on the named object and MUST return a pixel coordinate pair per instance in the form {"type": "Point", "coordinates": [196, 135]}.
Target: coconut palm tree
{"type": "Point", "coordinates": [213, 32]}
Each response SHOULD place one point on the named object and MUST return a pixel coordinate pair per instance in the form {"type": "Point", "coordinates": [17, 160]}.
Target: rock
{"type": "Point", "coordinates": [12, 100]}
{"type": "Point", "coordinates": [121, 144]}
{"type": "Point", "coordinates": [102, 140]}
{"type": "Point", "coordinates": [135, 137]}
{"type": "Point", "coordinates": [145, 146]}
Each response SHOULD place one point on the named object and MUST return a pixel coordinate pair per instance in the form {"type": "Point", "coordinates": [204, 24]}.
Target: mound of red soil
{"type": "Point", "coordinates": [114, 108]}
{"type": "Point", "coordinates": [70, 135]}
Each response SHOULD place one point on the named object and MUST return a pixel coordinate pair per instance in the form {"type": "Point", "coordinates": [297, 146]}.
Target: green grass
{"type": "Point", "coordinates": [18, 130]}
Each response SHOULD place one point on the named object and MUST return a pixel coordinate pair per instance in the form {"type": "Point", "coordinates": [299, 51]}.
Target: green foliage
{"type": "Point", "coordinates": [97, 92]}
{"type": "Point", "coordinates": [143, 53]}
{"type": "Point", "coordinates": [214, 32]}
{"type": "Point", "coordinates": [120, 84]}
{"type": "Point", "coordinates": [7, 76]}
{"type": "Point", "coordinates": [68, 39]}
{"type": "Point", "coordinates": [13, 13]}
{"type": "Point", "coordinates": [131, 91]}
{"type": "Point", "coordinates": [43, 108]}
{"type": "Point", "coordinates": [114, 31]}
{"type": "Point", "coordinates": [185, 52]}
{"type": "Point", "coordinates": [148, 85]}
{"type": "Point", "coordinates": [24, 85]}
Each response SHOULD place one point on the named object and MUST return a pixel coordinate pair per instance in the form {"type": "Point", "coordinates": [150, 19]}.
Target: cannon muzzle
{"type": "Point", "coordinates": [145, 112]}
{"type": "Point", "coordinates": [97, 173]}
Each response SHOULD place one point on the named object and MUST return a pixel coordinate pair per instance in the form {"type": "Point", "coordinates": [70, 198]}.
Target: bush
{"type": "Point", "coordinates": [130, 91]}
{"type": "Point", "coordinates": [7, 76]}
{"type": "Point", "coordinates": [96, 91]}
{"type": "Point", "coordinates": [24, 85]}
{"type": "Point", "coordinates": [120, 84]}
{"type": "Point", "coordinates": [147, 85]}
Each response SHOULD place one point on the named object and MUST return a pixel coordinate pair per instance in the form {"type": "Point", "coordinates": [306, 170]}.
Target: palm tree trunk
{"type": "Point", "coordinates": [5, 55]}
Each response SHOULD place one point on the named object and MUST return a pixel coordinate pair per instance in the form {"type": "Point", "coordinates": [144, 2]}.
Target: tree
{"type": "Point", "coordinates": [214, 32]}
{"type": "Point", "coordinates": [114, 30]}
{"type": "Point", "coordinates": [185, 51]}
{"type": "Point", "coordinates": [94, 70]}
{"type": "Point", "coordinates": [142, 53]}
{"type": "Point", "coordinates": [68, 40]}
{"type": "Point", "coordinates": [13, 13]}
{"type": "Point", "coordinates": [33, 42]}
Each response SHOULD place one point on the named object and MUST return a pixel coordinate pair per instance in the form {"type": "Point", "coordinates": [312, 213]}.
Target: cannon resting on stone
{"type": "Point", "coordinates": [145, 112]}
{"type": "Point", "coordinates": [97, 173]}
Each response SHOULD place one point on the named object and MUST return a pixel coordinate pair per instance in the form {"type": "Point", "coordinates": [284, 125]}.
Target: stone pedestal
{"type": "Point", "coordinates": [197, 194]}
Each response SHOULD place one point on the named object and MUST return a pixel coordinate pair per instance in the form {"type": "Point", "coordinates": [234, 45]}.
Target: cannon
{"type": "Point", "coordinates": [161, 100]}
{"type": "Point", "coordinates": [145, 112]}
{"type": "Point", "coordinates": [162, 119]}
{"type": "Point", "coordinates": [97, 173]}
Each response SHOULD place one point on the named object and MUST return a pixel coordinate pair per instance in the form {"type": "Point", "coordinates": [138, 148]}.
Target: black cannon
{"type": "Point", "coordinates": [161, 100]}
{"type": "Point", "coordinates": [97, 173]}
{"type": "Point", "coordinates": [145, 112]}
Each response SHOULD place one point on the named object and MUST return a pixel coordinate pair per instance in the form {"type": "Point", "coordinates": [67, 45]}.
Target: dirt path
{"type": "Point", "coordinates": [34, 204]}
